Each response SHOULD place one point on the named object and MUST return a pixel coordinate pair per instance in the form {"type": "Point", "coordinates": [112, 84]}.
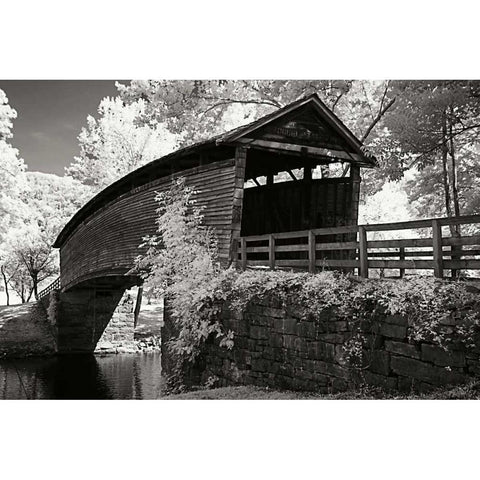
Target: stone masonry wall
{"type": "Point", "coordinates": [274, 347]}
{"type": "Point", "coordinates": [118, 335]}
{"type": "Point", "coordinates": [100, 321]}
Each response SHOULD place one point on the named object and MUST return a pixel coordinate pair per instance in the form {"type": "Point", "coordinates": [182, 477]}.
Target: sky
{"type": "Point", "coordinates": [50, 115]}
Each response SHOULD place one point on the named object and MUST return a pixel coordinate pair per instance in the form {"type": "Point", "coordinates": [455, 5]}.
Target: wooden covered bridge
{"type": "Point", "coordinates": [282, 192]}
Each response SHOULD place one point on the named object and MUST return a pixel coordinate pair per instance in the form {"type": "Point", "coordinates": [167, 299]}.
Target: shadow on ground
{"type": "Point", "coordinates": [24, 330]}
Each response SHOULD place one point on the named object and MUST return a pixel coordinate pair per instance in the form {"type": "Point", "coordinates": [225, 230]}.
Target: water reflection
{"type": "Point", "coordinates": [82, 377]}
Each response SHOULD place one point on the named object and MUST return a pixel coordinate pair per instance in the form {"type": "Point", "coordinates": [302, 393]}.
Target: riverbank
{"type": "Point", "coordinates": [25, 331]}
{"type": "Point", "coordinates": [470, 391]}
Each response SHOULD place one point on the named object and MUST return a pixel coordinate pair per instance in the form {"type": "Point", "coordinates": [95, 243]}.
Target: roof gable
{"type": "Point", "coordinates": [307, 122]}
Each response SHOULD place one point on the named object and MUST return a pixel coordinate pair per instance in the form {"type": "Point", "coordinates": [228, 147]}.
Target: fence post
{"type": "Point", "coordinates": [363, 252]}
{"type": "Point", "coordinates": [243, 251]}
{"type": "Point", "coordinates": [437, 249]}
{"type": "Point", "coordinates": [311, 252]}
{"type": "Point", "coordinates": [402, 257]}
{"type": "Point", "coordinates": [271, 251]}
{"type": "Point", "coordinates": [456, 251]}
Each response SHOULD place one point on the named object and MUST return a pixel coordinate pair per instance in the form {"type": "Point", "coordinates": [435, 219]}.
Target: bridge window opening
{"type": "Point", "coordinates": [289, 175]}
{"type": "Point", "coordinates": [331, 170]}
{"type": "Point", "coordinates": [274, 202]}
{"type": "Point", "coordinates": [295, 193]}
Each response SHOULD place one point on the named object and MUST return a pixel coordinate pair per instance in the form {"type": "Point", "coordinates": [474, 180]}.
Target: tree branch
{"type": "Point", "coordinates": [442, 143]}
{"type": "Point", "coordinates": [380, 114]}
{"type": "Point", "coordinates": [335, 103]}
{"type": "Point", "coordinates": [229, 101]}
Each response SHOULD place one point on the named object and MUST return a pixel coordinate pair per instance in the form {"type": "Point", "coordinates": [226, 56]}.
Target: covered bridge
{"type": "Point", "coordinates": [296, 169]}
{"type": "Point", "coordinates": [256, 179]}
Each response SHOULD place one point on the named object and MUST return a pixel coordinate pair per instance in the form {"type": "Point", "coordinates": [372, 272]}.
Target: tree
{"type": "Point", "coordinates": [19, 279]}
{"type": "Point", "coordinates": [12, 170]}
{"type": "Point", "coordinates": [115, 144]}
{"type": "Point", "coordinates": [6, 277]}
{"type": "Point", "coordinates": [12, 181]}
{"type": "Point", "coordinates": [436, 127]}
{"type": "Point", "coordinates": [49, 202]}
{"type": "Point", "coordinates": [198, 109]}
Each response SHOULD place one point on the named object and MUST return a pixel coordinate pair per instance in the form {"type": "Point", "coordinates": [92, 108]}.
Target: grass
{"type": "Point", "coordinates": [470, 391]}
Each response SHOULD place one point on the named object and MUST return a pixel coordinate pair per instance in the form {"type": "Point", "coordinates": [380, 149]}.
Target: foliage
{"type": "Point", "coordinates": [436, 127]}
{"type": "Point", "coordinates": [13, 183]}
{"type": "Point", "coordinates": [48, 201]}
{"type": "Point", "coordinates": [114, 145]}
{"type": "Point", "coordinates": [53, 306]}
{"type": "Point", "coordinates": [12, 168]}
{"type": "Point", "coordinates": [441, 313]}
{"type": "Point", "coordinates": [195, 110]}
{"type": "Point", "coordinates": [180, 262]}
{"type": "Point", "coordinates": [198, 109]}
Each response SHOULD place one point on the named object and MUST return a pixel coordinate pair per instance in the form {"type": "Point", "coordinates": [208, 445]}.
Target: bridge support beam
{"type": "Point", "coordinates": [92, 320]}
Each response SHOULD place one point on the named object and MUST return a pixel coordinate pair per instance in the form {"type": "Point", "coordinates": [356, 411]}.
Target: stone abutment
{"type": "Point", "coordinates": [276, 347]}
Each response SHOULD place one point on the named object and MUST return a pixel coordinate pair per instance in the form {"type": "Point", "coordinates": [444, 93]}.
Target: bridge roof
{"type": "Point", "coordinates": [227, 139]}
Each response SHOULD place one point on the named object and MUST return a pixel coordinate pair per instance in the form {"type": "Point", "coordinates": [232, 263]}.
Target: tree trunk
{"type": "Point", "coordinates": [22, 292]}
{"type": "Point", "coordinates": [456, 203]}
{"type": "Point", "coordinates": [34, 276]}
{"type": "Point", "coordinates": [455, 250]}
{"type": "Point", "coordinates": [5, 282]}
{"type": "Point", "coordinates": [445, 175]}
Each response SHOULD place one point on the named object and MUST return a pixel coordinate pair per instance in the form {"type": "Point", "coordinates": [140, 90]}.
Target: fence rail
{"type": "Point", "coordinates": [55, 285]}
{"type": "Point", "coordinates": [350, 248]}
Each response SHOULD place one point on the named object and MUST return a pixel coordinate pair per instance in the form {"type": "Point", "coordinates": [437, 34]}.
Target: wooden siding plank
{"type": "Point", "coordinates": [110, 238]}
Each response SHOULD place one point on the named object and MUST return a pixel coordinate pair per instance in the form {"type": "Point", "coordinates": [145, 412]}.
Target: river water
{"type": "Point", "coordinates": [121, 376]}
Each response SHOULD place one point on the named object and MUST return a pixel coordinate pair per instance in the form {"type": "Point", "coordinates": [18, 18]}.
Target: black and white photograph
{"type": "Point", "coordinates": [277, 239]}
{"type": "Point", "coordinates": [239, 240]}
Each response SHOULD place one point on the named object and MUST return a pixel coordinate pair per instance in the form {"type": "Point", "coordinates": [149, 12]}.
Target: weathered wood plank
{"type": "Point", "coordinates": [311, 252]}
{"type": "Point", "coordinates": [462, 220]}
{"type": "Point", "coordinates": [437, 249]}
{"type": "Point", "coordinates": [237, 205]}
{"type": "Point", "coordinates": [411, 264]}
{"type": "Point", "coordinates": [412, 224]}
{"type": "Point", "coordinates": [462, 264]}
{"type": "Point", "coordinates": [404, 242]}
{"type": "Point", "coordinates": [271, 252]}
{"type": "Point", "coordinates": [337, 246]}
{"type": "Point", "coordinates": [243, 250]}
{"type": "Point", "coordinates": [292, 248]}
{"type": "Point", "coordinates": [362, 252]}
{"type": "Point", "coordinates": [419, 253]}
{"type": "Point", "coordinates": [324, 152]}
{"type": "Point", "coordinates": [471, 240]}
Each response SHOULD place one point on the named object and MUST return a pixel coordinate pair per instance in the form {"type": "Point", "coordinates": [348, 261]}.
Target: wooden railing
{"type": "Point", "coordinates": [55, 285]}
{"type": "Point", "coordinates": [351, 249]}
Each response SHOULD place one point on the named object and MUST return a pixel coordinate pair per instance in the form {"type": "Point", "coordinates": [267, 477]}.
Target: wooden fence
{"type": "Point", "coordinates": [349, 248]}
{"type": "Point", "coordinates": [55, 285]}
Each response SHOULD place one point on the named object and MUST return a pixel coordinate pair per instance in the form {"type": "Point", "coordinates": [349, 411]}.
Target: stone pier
{"type": "Point", "coordinates": [93, 320]}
